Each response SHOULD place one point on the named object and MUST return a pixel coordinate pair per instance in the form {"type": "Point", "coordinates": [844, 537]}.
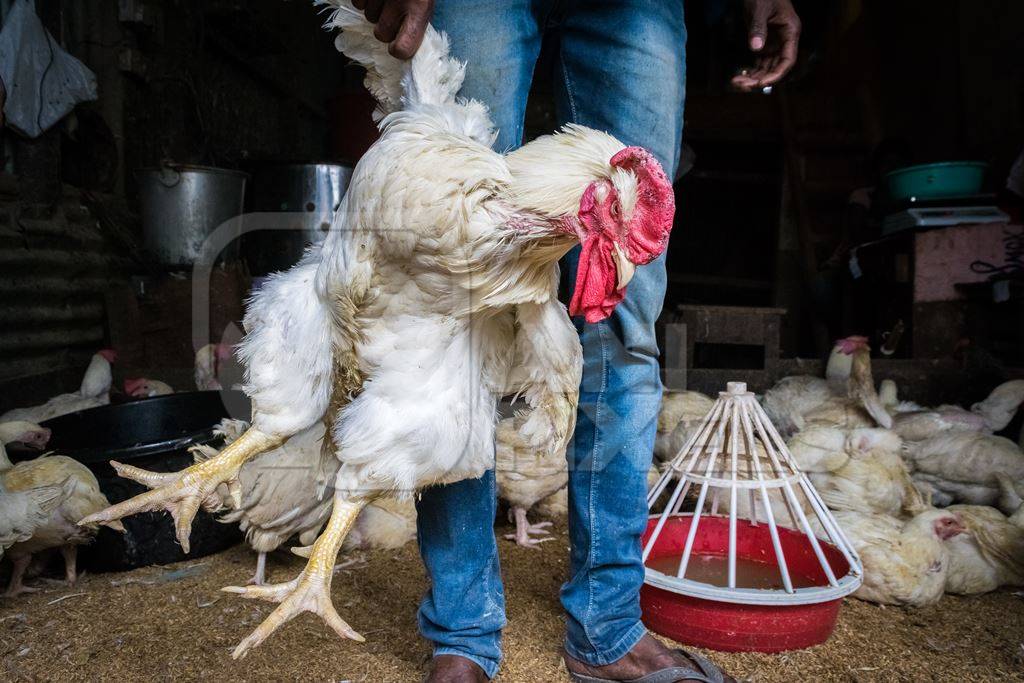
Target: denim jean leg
{"type": "Point", "coordinates": [622, 70]}
{"type": "Point", "coordinates": [463, 610]}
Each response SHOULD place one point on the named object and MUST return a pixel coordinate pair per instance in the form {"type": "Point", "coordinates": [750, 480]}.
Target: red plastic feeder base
{"type": "Point", "coordinates": [733, 627]}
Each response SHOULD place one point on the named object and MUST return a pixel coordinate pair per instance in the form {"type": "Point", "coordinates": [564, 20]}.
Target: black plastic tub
{"type": "Point", "coordinates": [154, 434]}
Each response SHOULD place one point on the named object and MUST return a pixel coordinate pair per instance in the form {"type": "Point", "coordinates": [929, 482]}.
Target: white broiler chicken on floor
{"type": "Point", "coordinates": [924, 424]}
{"type": "Point", "coordinates": [989, 554]}
{"type": "Point", "coordinates": [845, 398]}
{"type": "Point", "coordinates": [914, 422]}
{"type": "Point", "coordinates": [282, 493]}
{"type": "Point", "coordinates": [859, 469]}
{"type": "Point", "coordinates": [61, 529]}
{"type": "Point", "coordinates": [433, 294]}
{"type": "Point", "coordinates": [905, 562]}
{"type": "Point", "coordinates": [681, 414]}
{"type": "Point", "coordinates": [999, 408]}
{"type": "Point", "coordinates": [143, 387]}
{"type": "Point", "coordinates": [524, 477]}
{"type": "Point", "coordinates": [94, 391]}
{"type": "Point", "coordinates": [22, 512]}
{"type": "Point", "coordinates": [960, 466]}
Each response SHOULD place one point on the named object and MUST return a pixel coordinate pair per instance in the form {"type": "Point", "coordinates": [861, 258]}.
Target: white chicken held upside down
{"type": "Point", "coordinates": [433, 294]}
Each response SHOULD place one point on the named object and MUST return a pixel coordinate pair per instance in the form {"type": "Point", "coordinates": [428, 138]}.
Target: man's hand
{"type": "Point", "coordinates": [400, 23]}
{"type": "Point", "coordinates": [773, 35]}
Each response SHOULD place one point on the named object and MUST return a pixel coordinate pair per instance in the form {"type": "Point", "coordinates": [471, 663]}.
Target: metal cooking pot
{"type": "Point", "coordinates": [305, 195]}
{"type": "Point", "coordinates": [182, 206]}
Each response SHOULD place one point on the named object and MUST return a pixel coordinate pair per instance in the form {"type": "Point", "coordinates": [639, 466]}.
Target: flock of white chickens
{"type": "Point", "coordinates": [880, 464]}
{"type": "Point", "coordinates": [883, 465]}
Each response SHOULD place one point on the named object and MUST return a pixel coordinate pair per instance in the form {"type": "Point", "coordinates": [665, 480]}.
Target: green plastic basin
{"type": "Point", "coordinates": [934, 181]}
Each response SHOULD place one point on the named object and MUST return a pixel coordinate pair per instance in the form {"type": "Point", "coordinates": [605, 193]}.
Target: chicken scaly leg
{"type": "Point", "coordinates": [182, 493]}
{"type": "Point", "coordinates": [525, 530]}
{"type": "Point", "coordinates": [310, 591]}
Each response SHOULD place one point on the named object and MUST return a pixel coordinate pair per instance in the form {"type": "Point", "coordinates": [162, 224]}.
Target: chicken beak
{"type": "Point", "coordinates": [624, 268]}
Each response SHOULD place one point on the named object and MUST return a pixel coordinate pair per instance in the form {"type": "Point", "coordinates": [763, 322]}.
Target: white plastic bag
{"type": "Point", "coordinates": [44, 83]}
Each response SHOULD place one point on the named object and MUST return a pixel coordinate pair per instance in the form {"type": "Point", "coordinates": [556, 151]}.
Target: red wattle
{"type": "Point", "coordinates": [595, 295]}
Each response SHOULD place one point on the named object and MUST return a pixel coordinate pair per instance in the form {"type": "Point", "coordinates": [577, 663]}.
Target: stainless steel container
{"type": "Point", "coordinates": [305, 195]}
{"type": "Point", "coordinates": [182, 209]}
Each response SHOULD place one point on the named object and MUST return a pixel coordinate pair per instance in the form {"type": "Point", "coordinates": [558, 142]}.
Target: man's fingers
{"type": "Point", "coordinates": [373, 10]}
{"type": "Point", "coordinates": [782, 62]}
{"type": "Point", "coordinates": [389, 23]}
{"type": "Point", "coordinates": [411, 33]}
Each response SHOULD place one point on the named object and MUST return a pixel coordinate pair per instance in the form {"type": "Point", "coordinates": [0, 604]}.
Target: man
{"type": "Point", "coordinates": [621, 69]}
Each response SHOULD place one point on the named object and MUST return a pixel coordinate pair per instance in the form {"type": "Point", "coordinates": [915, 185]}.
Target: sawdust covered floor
{"type": "Point", "coordinates": [173, 623]}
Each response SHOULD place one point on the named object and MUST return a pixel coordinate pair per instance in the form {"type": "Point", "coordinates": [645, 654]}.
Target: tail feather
{"type": "Point", "coordinates": [431, 77]}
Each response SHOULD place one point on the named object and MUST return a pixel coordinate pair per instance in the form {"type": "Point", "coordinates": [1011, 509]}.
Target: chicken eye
{"type": "Point", "coordinates": [615, 208]}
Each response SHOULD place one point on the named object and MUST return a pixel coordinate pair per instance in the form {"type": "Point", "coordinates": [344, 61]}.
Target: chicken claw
{"type": "Point", "coordinates": [524, 530]}
{"type": "Point", "coordinates": [183, 493]}
{"type": "Point", "coordinates": [310, 591]}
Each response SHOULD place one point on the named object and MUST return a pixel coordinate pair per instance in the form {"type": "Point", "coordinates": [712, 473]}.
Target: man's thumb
{"type": "Point", "coordinates": [758, 25]}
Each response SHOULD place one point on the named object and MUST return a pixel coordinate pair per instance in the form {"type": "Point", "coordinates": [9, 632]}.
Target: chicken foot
{"type": "Point", "coordinates": [310, 591]}
{"type": "Point", "coordinates": [182, 493]}
{"type": "Point", "coordinates": [524, 530]}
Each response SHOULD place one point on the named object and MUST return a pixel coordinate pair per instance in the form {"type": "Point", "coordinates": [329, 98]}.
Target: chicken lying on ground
{"type": "Point", "coordinates": [524, 477]}
{"type": "Point", "coordinates": [61, 529]}
{"type": "Point", "coordinates": [914, 422]}
{"type": "Point", "coordinates": [282, 493]}
{"type": "Point", "coordinates": [22, 512]}
{"type": "Point", "coordinates": [989, 554]}
{"type": "Point", "coordinates": [94, 391]}
{"type": "Point", "coordinates": [845, 398]}
{"type": "Point", "coordinates": [905, 562]}
{"type": "Point", "coordinates": [143, 387]}
{"type": "Point", "coordinates": [681, 414]}
{"type": "Point", "coordinates": [859, 470]}
{"type": "Point", "coordinates": [434, 293]}
{"type": "Point", "coordinates": [924, 424]}
{"type": "Point", "coordinates": [1001, 405]}
{"type": "Point", "coordinates": [962, 466]}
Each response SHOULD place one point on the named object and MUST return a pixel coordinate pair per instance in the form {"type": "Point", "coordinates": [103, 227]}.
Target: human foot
{"type": "Point", "coordinates": [648, 656]}
{"type": "Point", "coordinates": [454, 669]}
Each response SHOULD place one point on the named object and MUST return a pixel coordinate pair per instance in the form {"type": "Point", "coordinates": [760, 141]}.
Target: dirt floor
{"type": "Point", "coordinates": [173, 623]}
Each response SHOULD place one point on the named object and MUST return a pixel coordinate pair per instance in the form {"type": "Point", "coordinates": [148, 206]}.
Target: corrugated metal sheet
{"type": "Point", "coordinates": [55, 267]}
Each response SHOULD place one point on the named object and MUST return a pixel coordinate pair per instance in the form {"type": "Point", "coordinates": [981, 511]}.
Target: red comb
{"type": "Point", "coordinates": [651, 222]}
{"type": "Point", "coordinates": [133, 385]}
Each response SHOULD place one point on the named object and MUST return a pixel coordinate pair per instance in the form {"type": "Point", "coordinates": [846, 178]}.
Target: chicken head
{"type": "Point", "coordinates": [948, 525]}
{"type": "Point", "coordinates": [623, 222]}
{"type": "Point", "coordinates": [29, 434]}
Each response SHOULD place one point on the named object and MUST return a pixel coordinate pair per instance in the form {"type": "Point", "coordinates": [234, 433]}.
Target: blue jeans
{"type": "Point", "coordinates": [621, 69]}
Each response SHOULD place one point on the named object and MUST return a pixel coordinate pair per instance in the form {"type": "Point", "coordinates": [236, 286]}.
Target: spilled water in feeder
{"type": "Point", "coordinates": [714, 570]}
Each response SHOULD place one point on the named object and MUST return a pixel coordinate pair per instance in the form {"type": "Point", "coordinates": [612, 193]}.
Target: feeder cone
{"type": "Point", "coordinates": [743, 555]}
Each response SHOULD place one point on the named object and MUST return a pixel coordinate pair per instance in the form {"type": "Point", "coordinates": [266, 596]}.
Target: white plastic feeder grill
{"type": "Point", "coordinates": [754, 507]}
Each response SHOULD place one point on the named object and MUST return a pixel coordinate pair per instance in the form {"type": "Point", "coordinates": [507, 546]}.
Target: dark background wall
{"type": "Point", "coordinates": [763, 214]}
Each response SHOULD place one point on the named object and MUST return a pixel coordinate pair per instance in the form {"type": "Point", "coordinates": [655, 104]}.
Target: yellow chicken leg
{"type": "Point", "coordinates": [310, 591]}
{"type": "Point", "coordinates": [182, 493]}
